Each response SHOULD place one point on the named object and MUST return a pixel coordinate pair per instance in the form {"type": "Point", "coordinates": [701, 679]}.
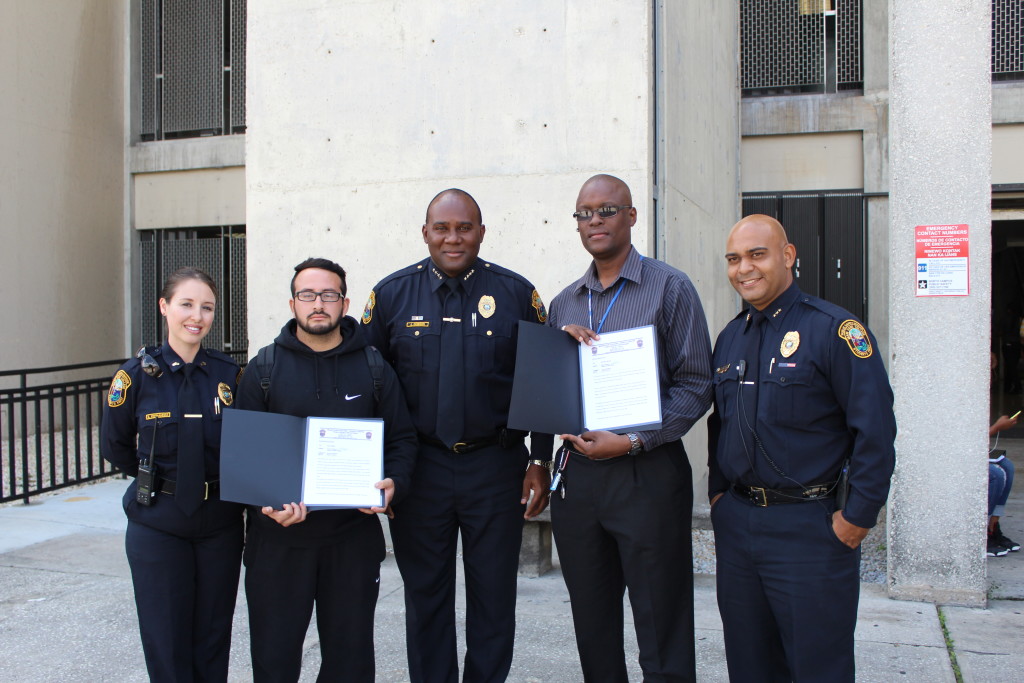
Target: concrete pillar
{"type": "Point", "coordinates": [940, 148]}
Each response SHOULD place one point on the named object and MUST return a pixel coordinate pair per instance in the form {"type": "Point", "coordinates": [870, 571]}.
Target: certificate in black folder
{"type": "Point", "coordinates": [564, 387]}
{"type": "Point", "coordinates": [325, 462]}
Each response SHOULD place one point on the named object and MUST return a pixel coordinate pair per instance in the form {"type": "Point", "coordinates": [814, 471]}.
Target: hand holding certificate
{"type": "Point", "coordinates": [564, 386]}
{"type": "Point", "coordinates": [273, 460]}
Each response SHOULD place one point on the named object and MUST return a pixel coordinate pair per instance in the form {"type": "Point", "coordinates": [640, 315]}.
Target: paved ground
{"type": "Point", "coordinates": [67, 612]}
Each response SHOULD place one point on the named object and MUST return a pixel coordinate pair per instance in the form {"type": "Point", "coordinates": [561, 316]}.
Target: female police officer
{"type": "Point", "coordinates": [162, 425]}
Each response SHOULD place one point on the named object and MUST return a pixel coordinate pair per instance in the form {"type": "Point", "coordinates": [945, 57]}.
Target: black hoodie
{"type": "Point", "coordinates": [334, 383]}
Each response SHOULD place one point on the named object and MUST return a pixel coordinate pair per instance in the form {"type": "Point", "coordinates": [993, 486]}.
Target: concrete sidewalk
{"type": "Point", "coordinates": [67, 612]}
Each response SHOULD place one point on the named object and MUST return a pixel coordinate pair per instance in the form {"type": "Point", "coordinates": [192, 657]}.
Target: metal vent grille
{"type": "Point", "coordinates": [218, 251]}
{"type": "Point", "coordinates": [238, 66]}
{"type": "Point", "coordinates": [800, 46]}
{"type": "Point", "coordinates": [193, 65]}
{"type": "Point", "coordinates": [849, 74]}
{"type": "Point", "coordinates": [191, 68]}
{"type": "Point", "coordinates": [149, 66]}
{"type": "Point", "coordinates": [1007, 40]}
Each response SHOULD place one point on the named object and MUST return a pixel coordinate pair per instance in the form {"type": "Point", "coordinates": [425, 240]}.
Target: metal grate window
{"type": "Point", "coordinates": [218, 251]}
{"type": "Point", "coordinates": [800, 46]}
{"type": "Point", "coordinates": [192, 68]}
{"type": "Point", "coordinates": [1007, 40]}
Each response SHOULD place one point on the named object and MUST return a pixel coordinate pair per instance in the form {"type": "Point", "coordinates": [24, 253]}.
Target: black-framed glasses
{"type": "Point", "coordinates": [328, 296]}
{"type": "Point", "coordinates": [603, 212]}
{"type": "Point", "coordinates": [149, 364]}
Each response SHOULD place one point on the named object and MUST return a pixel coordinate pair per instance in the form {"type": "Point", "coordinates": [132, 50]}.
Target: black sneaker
{"type": "Point", "coordinates": [998, 537]}
{"type": "Point", "coordinates": [994, 549]}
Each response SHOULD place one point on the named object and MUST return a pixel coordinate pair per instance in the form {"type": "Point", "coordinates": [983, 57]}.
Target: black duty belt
{"type": "Point", "coordinates": [505, 438]}
{"type": "Point", "coordinates": [210, 488]}
{"type": "Point", "coordinates": [763, 497]}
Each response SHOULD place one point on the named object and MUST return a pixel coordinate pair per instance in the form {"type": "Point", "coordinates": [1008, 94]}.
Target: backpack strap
{"type": "Point", "coordinates": [265, 366]}
{"type": "Point", "coordinates": [375, 361]}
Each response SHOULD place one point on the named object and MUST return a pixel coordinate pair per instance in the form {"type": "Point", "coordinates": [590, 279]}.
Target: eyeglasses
{"type": "Point", "coordinates": [603, 212]}
{"type": "Point", "coordinates": [327, 296]}
{"type": "Point", "coordinates": [149, 364]}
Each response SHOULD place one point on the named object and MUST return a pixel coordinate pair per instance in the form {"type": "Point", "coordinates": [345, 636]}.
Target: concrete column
{"type": "Point", "coordinates": [940, 149]}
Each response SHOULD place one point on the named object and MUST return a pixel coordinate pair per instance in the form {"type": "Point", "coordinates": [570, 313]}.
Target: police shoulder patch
{"type": "Point", "coordinates": [368, 311]}
{"type": "Point", "coordinates": [538, 305]}
{"type": "Point", "coordinates": [856, 337]}
{"type": "Point", "coordinates": [238, 377]}
{"type": "Point", "coordinates": [118, 389]}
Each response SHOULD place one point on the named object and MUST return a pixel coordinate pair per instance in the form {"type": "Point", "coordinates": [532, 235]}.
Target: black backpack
{"type": "Point", "coordinates": [265, 366]}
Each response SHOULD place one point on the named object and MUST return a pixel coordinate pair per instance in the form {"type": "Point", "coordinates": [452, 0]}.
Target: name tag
{"type": "Point", "coordinates": [418, 323]}
{"type": "Point", "coordinates": [157, 416]}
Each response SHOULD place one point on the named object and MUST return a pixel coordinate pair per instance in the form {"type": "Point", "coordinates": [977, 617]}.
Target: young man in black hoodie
{"type": "Point", "coordinates": [331, 558]}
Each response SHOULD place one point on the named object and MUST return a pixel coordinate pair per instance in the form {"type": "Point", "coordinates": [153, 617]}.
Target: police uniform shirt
{"type": "Point", "coordinates": [816, 394]}
{"type": "Point", "coordinates": [141, 418]}
{"type": "Point", "coordinates": [653, 293]}
{"type": "Point", "coordinates": [402, 318]}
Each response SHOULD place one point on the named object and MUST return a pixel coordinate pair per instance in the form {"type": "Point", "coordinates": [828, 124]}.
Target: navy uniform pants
{"type": "Point", "coordinates": [282, 585]}
{"type": "Point", "coordinates": [625, 523]}
{"type": "Point", "coordinates": [787, 591]}
{"type": "Point", "coordinates": [185, 592]}
{"type": "Point", "coordinates": [478, 495]}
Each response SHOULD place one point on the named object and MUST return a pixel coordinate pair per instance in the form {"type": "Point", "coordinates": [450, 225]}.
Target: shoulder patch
{"type": "Point", "coordinates": [368, 311]}
{"type": "Point", "coordinates": [118, 389]}
{"type": "Point", "coordinates": [538, 305]}
{"type": "Point", "coordinates": [238, 377]}
{"type": "Point", "coordinates": [856, 337]}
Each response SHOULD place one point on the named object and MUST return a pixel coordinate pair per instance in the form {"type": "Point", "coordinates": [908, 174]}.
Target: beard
{"type": "Point", "coordinates": [320, 328]}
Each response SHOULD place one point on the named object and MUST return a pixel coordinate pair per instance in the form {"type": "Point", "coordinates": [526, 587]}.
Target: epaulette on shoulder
{"type": "Point", "coordinates": [503, 271]}
{"type": "Point", "coordinates": [404, 272]}
{"type": "Point", "coordinates": [830, 309]}
{"type": "Point", "coordinates": [221, 356]}
{"type": "Point", "coordinates": [153, 351]}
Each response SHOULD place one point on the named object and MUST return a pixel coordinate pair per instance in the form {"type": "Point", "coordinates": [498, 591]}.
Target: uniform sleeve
{"type": "Point", "coordinates": [374, 327]}
{"type": "Point", "coordinates": [118, 430]}
{"type": "Point", "coordinates": [717, 483]}
{"type": "Point", "coordinates": [400, 443]}
{"type": "Point", "coordinates": [250, 393]}
{"type": "Point", "coordinates": [684, 332]}
{"type": "Point", "coordinates": [861, 388]}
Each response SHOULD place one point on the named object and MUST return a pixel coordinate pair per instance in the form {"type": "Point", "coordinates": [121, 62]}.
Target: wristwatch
{"type": "Point", "coordinates": [635, 444]}
{"type": "Point", "coordinates": [546, 464]}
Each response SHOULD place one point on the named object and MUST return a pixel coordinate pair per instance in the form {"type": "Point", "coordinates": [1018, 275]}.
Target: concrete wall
{"type": "Point", "coordinates": [941, 158]}
{"type": "Point", "coordinates": [818, 161]}
{"type": "Point", "coordinates": [183, 199]}
{"type": "Point", "coordinates": [358, 113]}
{"type": "Point", "coordinates": [697, 168]}
{"type": "Point", "coordinates": [62, 189]}
{"type": "Point", "coordinates": [1008, 153]}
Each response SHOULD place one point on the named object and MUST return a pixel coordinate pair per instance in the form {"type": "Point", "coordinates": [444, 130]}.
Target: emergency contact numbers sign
{"type": "Point", "coordinates": [943, 260]}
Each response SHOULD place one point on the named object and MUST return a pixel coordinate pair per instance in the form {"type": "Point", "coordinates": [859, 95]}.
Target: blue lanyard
{"type": "Point", "coordinates": [590, 306]}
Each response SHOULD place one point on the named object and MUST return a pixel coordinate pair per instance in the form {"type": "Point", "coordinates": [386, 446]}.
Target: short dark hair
{"type": "Point", "coordinates": [187, 273]}
{"type": "Point", "coordinates": [460, 193]}
{"type": "Point", "coordinates": [322, 264]}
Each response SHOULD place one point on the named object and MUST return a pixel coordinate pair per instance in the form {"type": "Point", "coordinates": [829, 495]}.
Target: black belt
{"type": "Point", "coordinates": [210, 488]}
{"type": "Point", "coordinates": [763, 497]}
{"type": "Point", "coordinates": [505, 438]}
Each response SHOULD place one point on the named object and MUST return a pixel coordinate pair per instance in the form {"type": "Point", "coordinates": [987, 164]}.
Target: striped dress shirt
{"type": "Point", "coordinates": [653, 293]}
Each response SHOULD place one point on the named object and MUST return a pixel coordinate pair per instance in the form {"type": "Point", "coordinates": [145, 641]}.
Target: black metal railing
{"type": "Point", "coordinates": [49, 433]}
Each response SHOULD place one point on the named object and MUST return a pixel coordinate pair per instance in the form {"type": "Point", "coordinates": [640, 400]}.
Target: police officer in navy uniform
{"type": "Point", "coordinates": [801, 453]}
{"type": "Point", "coordinates": [162, 425]}
{"type": "Point", "coordinates": [448, 324]}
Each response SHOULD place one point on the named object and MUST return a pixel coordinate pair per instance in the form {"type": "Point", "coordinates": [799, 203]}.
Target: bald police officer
{"type": "Point", "coordinates": [801, 452]}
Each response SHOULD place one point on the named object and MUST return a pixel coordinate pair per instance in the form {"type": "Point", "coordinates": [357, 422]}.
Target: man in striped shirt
{"type": "Point", "coordinates": [621, 516]}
